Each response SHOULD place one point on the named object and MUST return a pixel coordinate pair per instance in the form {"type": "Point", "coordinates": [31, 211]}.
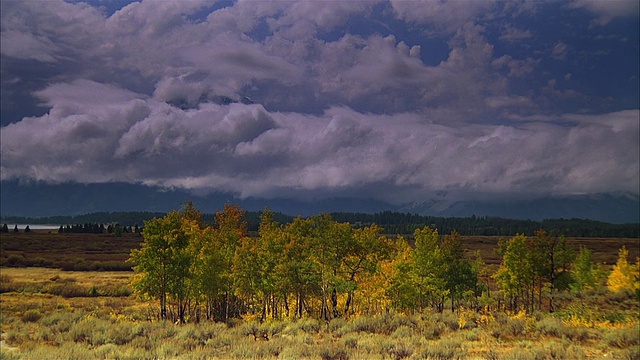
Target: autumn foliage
{"type": "Point", "coordinates": [320, 268]}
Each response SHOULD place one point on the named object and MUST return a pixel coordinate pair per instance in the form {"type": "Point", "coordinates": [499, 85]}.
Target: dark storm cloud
{"type": "Point", "coordinates": [158, 93]}
{"type": "Point", "coordinates": [121, 136]}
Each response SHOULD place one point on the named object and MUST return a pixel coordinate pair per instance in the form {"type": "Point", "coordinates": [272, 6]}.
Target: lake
{"type": "Point", "coordinates": [33, 227]}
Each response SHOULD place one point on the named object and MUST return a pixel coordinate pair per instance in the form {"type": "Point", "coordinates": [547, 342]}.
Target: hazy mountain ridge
{"type": "Point", "coordinates": [612, 208]}
{"type": "Point", "coordinates": [39, 199]}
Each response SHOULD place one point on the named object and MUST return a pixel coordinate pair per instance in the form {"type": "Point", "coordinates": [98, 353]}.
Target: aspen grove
{"type": "Point", "coordinates": [317, 267]}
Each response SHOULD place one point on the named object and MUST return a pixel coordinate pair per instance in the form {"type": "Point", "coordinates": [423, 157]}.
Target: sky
{"type": "Point", "coordinates": [386, 100]}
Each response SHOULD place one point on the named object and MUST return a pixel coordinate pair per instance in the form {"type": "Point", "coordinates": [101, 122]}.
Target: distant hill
{"type": "Point", "coordinates": [612, 208]}
{"type": "Point", "coordinates": [40, 199]}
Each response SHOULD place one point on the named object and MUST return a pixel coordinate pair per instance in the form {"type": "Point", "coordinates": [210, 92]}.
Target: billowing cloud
{"type": "Point", "coordinates": [608, 10]}
{"type": "Point", "coordinates": [250, 151]}
{"type": "Point", "coordinates": [449, 15]}
{"type": "Point", "coordinates": [514, 34]}
{"type": "Point", "coordinates": [559, 51]}
{"type": "Point", "coordinates": [517, 68]}
{"type": "Point", "coordinates": [290, 99]}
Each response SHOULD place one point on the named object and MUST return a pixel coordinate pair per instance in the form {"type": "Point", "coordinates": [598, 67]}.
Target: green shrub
{"type": "Point", "coordinates": [556, 350]}
{"type": "Point", "coordinates": [67, 352]}
{"type": "Point", "coordinates": [366, 324]}
{"type": "Point", "coordinates": [120, 334]}
{"type": "Point", "coordinates": [107, 351]}
{"type": "Point", "coordinates": [300, 351]}
{"type": "Point", "coordinates": [551, 326]}
{"type": "Point", "coordinates": [350, 342]}
{"type": "Point", "coordinates": [309, 325]}
{"type": "Point", "coordinates": [335, 325]}
{"type": "Point", "coordinates": [402, 332]}
{"type": "Point", "coordinates": [400, 350]}
{"type": "Point", "coordinates": [380, 324]}
{"type": "Point", "coordinates": [472, 335]}
{"type": "Point", "coordinates": [334, 352]}
{"type": "Point", "coordinates": [7, 354]}
{"type": "Point", "coordinates": [32, 315]}
{"type": "Point", "coordinates": [39, 262]}
{"type": "Point", "coordinates": [90, 331]}
{"type": "Point", "coordinates": [255, 329]}
{"type": "Point", "coordinates": [15, 260]}
{"type": "Point", "coordinates": [44, 334]}
{"type": "Point", "coordinates": [516, 326]}
{"type": "Point", "coordinates": [6, 284]}
{"type": "Point", "coordinates": [444, 349]}
{"type": "Point", "coordinates": [141, 342]}
{"type": "Point", "coordinates": [519, 353]}
{"type": "Point", "coordinates": [117, 291]}
{"type": "Point", "coordinates": [432, 329]}
{"type": "Point", "coordinates": [167, 350]}
{"type": "Point", "coordinates": [66, 289]}
{"type": "Point", "coordinates": [269, 349]}
{"type": "Point", "coordinates": [16, 337]}
{"type": "Point", "coordinates": [633, 353]}
{"type": "Point", "coordinates": [623, 338]}
{"type": "Point", "coordinates": [450, 320]}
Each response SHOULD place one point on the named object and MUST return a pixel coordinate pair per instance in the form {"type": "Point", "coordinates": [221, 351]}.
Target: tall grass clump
{"type": "Point", "coordinates": [6, 283]}
{"type": "Point", "coordinates": [623, 338]}
{"type": "Point", "coordinates": [334, 352]}
{"type": "Point", "coordinates": [444, 349]}
{"type": "Point", "coordinates": [32, 315]}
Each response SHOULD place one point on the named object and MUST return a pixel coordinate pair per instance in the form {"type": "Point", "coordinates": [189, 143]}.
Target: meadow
{"type": "Point", "coordinates": [68, 296]}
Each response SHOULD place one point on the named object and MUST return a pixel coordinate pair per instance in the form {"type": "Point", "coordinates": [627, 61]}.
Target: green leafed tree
{"type": "Point", "coordinates": [403, 289]}
{"type": "Point", "coordinates": [254, 267]}
{"type": "Point", "coordinates": [553, 263]}
{"type": "Point", "coordinates": [516, 272]}
{"type": "Point", "coordinates": [230, 229]}
{"type": "Point", "coordinates": [429, 268]}
{"type": "Point", "coordinates": [584, 273]}
{"type": "Point", "coordinates": [459, 273]}
{"type": "Point", "coordinates": [207, 267]}
{"type": "Point", "coordinates": [298, 273]}
{"type": "Point", "coordinates": [162, 263]}
{"type": "Point", "coordinates": [365, 251]}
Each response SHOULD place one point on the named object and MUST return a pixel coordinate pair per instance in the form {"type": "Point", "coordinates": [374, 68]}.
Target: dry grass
{"type": "Point", "coordinates": [67, 251]}
{"type": "Point", "coordinates": [42, 326]}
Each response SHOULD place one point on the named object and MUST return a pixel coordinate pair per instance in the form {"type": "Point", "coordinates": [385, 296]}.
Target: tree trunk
{"type": "Point", "coordinates": [334, 303]}
{"type": "Point", "coordinates": [348, 303]}
{"type": "Point", "coordinates": [286, 305]}
{"type": "Point", "coordinates": [163, 306]}
{"type": "Point", "coordinates": [226, 307]}
{"type": "Point", "coordinates": [263, 316]}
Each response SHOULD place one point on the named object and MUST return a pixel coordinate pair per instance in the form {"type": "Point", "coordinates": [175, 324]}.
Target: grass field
{"type": "Point", "coordinates": [39, 325]}
{"type": "Point", "coordinates": [67, 251]}
{"type": "Point", "coordinates": [49, 313]}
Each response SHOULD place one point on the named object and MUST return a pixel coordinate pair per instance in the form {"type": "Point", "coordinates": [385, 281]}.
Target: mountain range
{"type": "Point", "coordinates": [36, 199]}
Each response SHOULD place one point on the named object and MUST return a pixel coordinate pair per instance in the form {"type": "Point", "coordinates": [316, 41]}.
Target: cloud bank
{"type": "Point", "coordinates": [99, 133]}
{"type": "Point", "coordinates": [281, 99]}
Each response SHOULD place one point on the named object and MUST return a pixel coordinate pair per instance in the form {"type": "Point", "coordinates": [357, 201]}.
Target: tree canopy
{"type": "Point", "coordinates": [324, 268]}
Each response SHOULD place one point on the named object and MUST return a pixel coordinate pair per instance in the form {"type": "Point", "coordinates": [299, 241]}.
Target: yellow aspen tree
{"type": "Point", "coordinates": [623, 275]}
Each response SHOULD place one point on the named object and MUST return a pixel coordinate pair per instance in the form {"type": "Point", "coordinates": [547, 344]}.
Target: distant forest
{"type": "Point", "coordinates": [391, 223]}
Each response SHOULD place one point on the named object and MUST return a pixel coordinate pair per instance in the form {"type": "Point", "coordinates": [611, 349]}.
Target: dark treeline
{"type": "Point", "coordinates": [391, 223]}
{"type": "Point", "coordinates": [131, 218]}
{"type": "Point", "coordinates": [95, 228]}
{"type": "Point", "coordinates": [403, 223]}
